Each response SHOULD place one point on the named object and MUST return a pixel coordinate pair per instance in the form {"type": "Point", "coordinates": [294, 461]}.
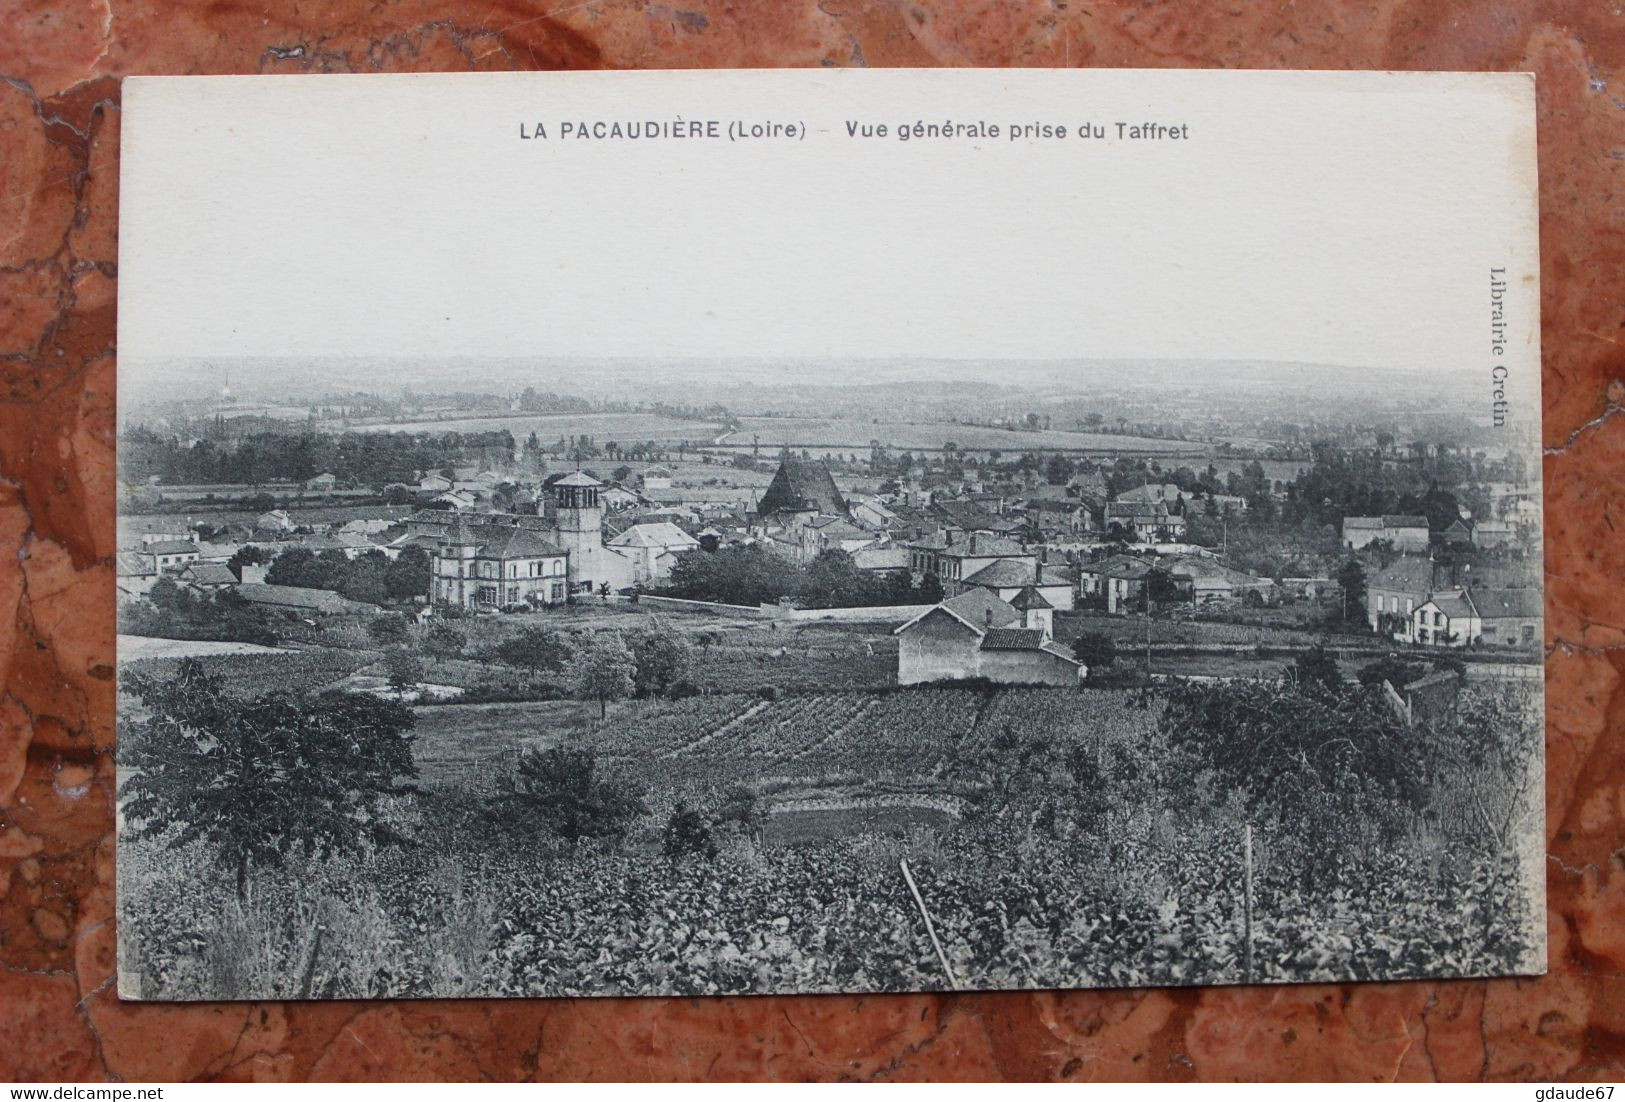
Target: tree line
{"type": "Point", "coordinates": [375, 459]}
{"type": "Point", "coordinates": [752, 575]}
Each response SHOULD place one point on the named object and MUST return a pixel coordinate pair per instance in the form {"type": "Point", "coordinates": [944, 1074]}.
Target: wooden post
{"type": "Point", "coordinates": [1247, 900]}
{"type": "Point", "coordinates": [931, 931]}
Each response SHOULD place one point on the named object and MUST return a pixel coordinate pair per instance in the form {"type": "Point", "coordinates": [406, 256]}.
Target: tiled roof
{"type": "Point", "coordinates": [977, 545]}
{"type": "Point", "coordinates": [659, 534]}
{"type": "Point", "coordinates": [1455, 606]}
{"type": "Point", "coordinates": [171, 547]}
{"type": "Point", "coordinates": [298, 597]}
{"type": "Point", "coordinates": [209, 573]}
{"type": "Point", "coordinates": [881, 558]}
{"type": "Point", "coordinates": [1387, 520]}
{"type": "Point", "coordinates": [1055, 575]}
{"type": "Point", "coordinates": [1029, 598]}
{"type": "Point", "coordinates": [1136, 509]}
{"type": "Point", "coordinates": [134, 565]}
{"type": "Point", "coordinates": [1002, 574]}
{"type": "Point", "coordinates": [975, 604]}
{"type": "Point", "coordinates": [1495, 603]}
{"type": "Point", "coordinates": [801, 484]}
{"type": "Point", "coordinates": [1407, 574]}
{"type": "Point", "coordinates": [513, 543]}
{"type": "Point", "coordinates": [1013, 639]}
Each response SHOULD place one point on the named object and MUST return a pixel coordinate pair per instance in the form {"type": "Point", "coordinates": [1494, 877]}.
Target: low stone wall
{"type": "Point", "coordinates": [677, 604]}
{"type": "Point", "coordinates": [880, 614]}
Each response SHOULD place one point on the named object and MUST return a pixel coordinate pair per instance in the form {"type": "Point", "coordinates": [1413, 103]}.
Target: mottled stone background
{"type": "Point", "coordinates": [59, 147]}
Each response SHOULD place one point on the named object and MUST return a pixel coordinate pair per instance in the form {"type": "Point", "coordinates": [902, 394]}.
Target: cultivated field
{"type": "Point", "coordinates": [1058, 837]}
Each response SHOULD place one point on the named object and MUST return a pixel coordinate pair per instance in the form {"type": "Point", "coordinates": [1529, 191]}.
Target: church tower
{"type": "Point", "coordinates": [580, 518]}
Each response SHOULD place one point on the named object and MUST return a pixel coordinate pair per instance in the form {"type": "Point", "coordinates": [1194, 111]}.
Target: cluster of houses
{"type": "Point", "coordinates": [496, 543]}
{"type": "Point", "coordinates": [1006, 555]}
{"type": "Point", "coordinates": [1418, 599]}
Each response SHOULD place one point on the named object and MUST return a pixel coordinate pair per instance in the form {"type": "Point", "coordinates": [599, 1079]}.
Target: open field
{"type": "Point", "coordinates": [134, 647]}
{"type": "Point", "coordinates": [852, 434]}
{"type": "Point", "coordinates": [624, 428]}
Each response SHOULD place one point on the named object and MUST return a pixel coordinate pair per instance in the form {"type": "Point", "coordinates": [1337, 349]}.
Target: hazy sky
{"type": "Point", "coordinates": [1324, 218]}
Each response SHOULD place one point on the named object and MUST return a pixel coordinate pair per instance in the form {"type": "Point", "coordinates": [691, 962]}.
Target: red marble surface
{"type": "Point", "coordinates": [59, 142]}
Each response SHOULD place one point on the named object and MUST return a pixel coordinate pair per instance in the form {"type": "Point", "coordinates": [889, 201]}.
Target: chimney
{"type": "Point", "coordinates": [987, 617]}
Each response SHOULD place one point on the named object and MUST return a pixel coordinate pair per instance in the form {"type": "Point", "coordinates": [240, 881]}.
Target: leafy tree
{"type": "Point", "coordinates": [1095, 649]}
{"type": "Point", "coordinates": [390, 629]}
{"type": "Point", "coordinates": [1393, 669]}
{"type": "Point", "coordinates": [407, 576]}
{"type": "Point", "coordinates": [687, 832]}
{"type": "Point", "coordinates": [604, 670]}
{"type": "Point", "coordinates": [300, 566]}
{"type": "Point", "coordinates": [536, 649]}
{"type": "Point", "coordinates": [1160, 588]}
{"type": "Point", "coordinates": [1351, 576]}
{"type": "Point", "coordinates": [931, 591]}
{"type": "Point", "coordinates": [660, 655]}
{"type": "Point", "coordinates": [558, 790]}
{"type": "Point", "coordinates": [259, 780]}
{"type": "Point", "coordinates": [246, 555]}
{"type": "Point", "coordinates": [1316, 670]}
{"type": "Point", "coordinates": [1059, 470]}
{"type": "Point", "coordinates": [441, 641]}
{"type": "Point", "coordinates": [403, 668]}
{"type": "Point", "coordinates": [165, 594]}
{"type": "Point", "coordinates": [363, 579]}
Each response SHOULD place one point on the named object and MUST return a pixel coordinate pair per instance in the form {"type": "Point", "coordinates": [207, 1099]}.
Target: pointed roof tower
{"type": "Point", "coordinates": [1029, 598]}
{"type": "Point", "coordinates": [801, 484]}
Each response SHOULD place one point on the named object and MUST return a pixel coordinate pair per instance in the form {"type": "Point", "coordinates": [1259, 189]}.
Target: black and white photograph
{"type": "Point", "coordinates": [714, 533]}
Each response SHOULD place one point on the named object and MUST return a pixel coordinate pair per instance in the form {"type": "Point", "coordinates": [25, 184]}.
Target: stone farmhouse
{"type": "Point", "coordinates": [1393, 594]}
{"type": "Point", "coordinates": [652, 547]}
{"type": "Point", "coordinates": [165, 555]}
{"type": "Point", "coordinates": [1488, 617]}
{"type": "Point", "coordinates": [1146, 520]}
{"type": "Point", "coordinates": [1165, 492]}
{"type": "Point", "coordinates": [1405, 533]}
{"type": "Point", "coordinates": [954, 560]}
{"type": "Point", "coordinates": [978, 635]}
{"type": "Point", "coordinates": [1008, 578]}
{"type": "Point", "coordinates": [1119, 581]}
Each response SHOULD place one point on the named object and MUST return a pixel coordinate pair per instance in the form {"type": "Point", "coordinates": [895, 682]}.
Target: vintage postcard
{"type": "Point", "coordinates": [827, 531]}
